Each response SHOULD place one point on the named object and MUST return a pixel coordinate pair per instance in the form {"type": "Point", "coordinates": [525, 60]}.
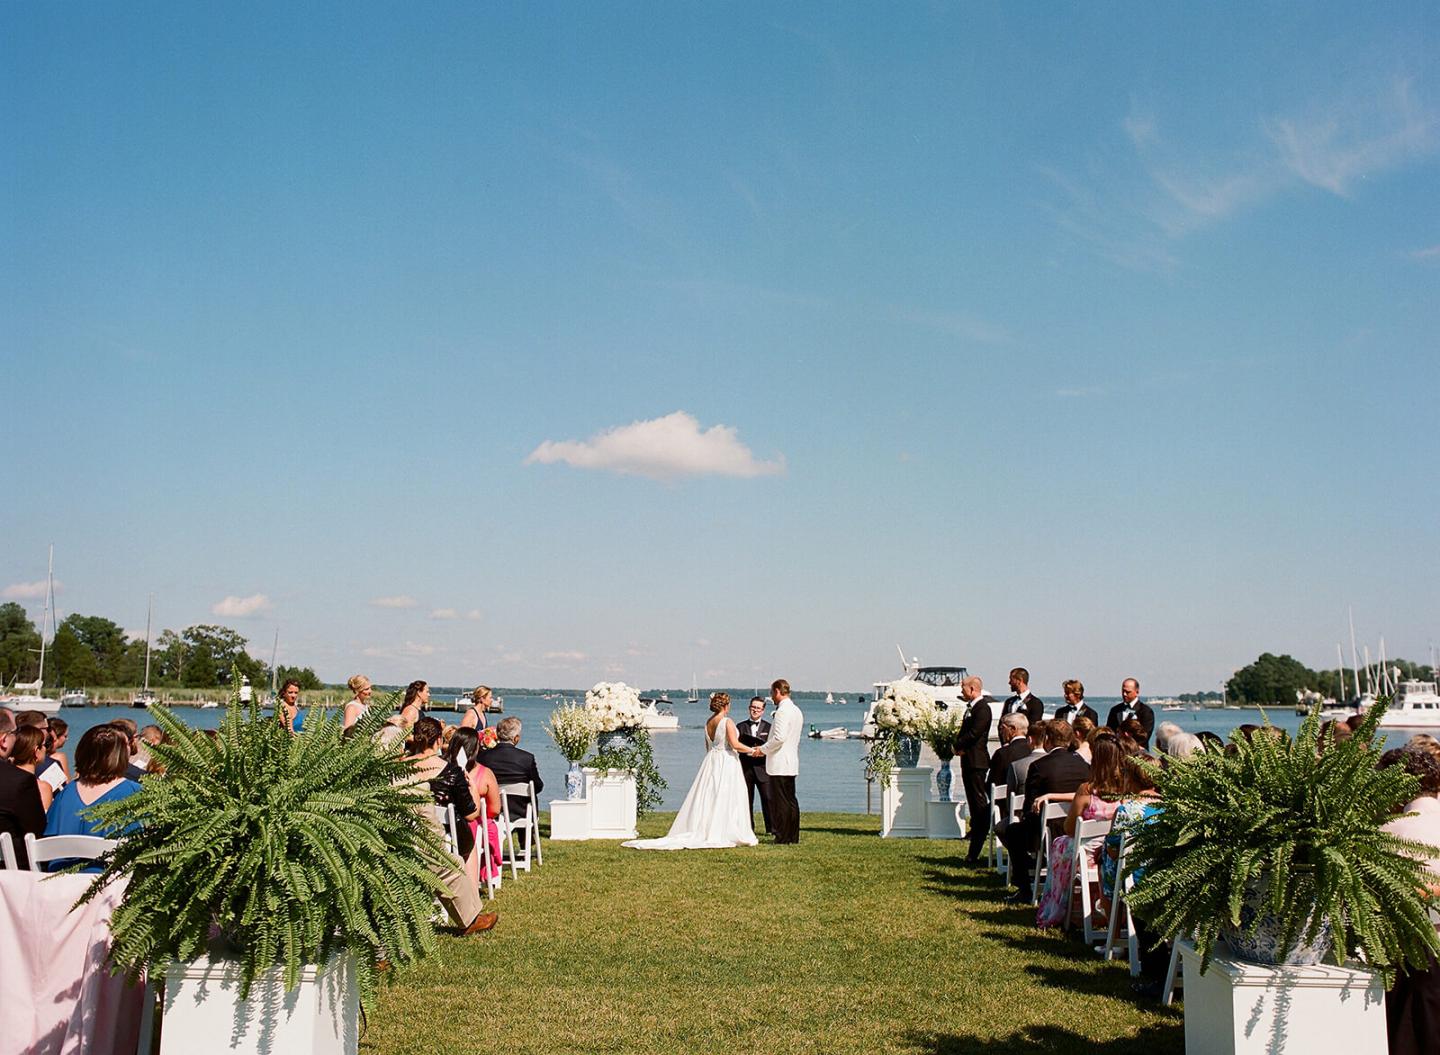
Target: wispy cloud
{"type": "Point", "coordinates": [28, 591]}
{"type": "Point", "coordinates": [1081, 392]}
{"type": "Point", "coordinates": [1428, 253]}
{"type": "Point", "coordinates": [408, 649]}
{"type": "Point", "coordinates": [1338, 144]}
{"type": "Point", "coordinates": [241, 607]}
{"type": "Point", "coordinates": [565, 657]}
{"type": "Point", "coordinates": [397, 601]}
{"type": "Point", "coordinates": [473, 614]}
{"type": "Point", "coordinates": [951, 323]}
{"type": "Point", "coordinates": [661, 449]}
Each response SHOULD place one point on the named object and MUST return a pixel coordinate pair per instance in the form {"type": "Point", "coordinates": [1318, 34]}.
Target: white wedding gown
{"type": "Point", "coordinates": [716, 813]}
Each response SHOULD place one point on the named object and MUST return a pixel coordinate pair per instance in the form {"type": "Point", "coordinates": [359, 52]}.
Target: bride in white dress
{"type": "Point", "coordinates": [716, 812]}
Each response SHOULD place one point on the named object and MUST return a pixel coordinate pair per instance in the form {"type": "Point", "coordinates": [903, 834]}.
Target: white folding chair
{"type": "Point", "coordinates": [527, 827]}
{"type": "Point", "coordinates": [1118, 901]}
{"type": "Point", "coordinates": [1085, 872]}
{"type": "Point", "coordinates": [1049, 811]}
{"type": "Point", "coordinates": [7, 852]}
{"type": "Point", "coordinates": [999, 807]}
{"type": "Point", "coordinates": [1173, 976]}
{"type": "Point", "coordinates": [487, 860]}
{"type": "Point", "coordinates": [445, 817]}
{"type": "Point", "coordinates": [65, 847]}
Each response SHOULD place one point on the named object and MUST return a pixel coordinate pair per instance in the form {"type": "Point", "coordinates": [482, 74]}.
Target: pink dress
{"type": "Point", "coordinates": [493, 833]}
{"type": "Point", "coordinates": [1061, 871]}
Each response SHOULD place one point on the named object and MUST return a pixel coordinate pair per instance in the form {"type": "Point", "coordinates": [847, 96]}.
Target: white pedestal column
{"type": "Point", "coordinates": [1237, 1007]}
{"type": "Point", "coordinates": [612, 803]}
{"type": "Point", "coordinates": [904, 810]}
{"type": "Point", "coordinates": [944, 820]}
{"type": "Point", "coordinates": [569, 819]}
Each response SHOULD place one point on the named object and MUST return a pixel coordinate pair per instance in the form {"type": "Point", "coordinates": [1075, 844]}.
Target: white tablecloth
{"type": "Point", "coordinates": [56, 989]}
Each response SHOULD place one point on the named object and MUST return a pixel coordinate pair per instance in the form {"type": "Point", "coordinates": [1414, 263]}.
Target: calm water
{"type": "Point", "coordinates": [832, 772]}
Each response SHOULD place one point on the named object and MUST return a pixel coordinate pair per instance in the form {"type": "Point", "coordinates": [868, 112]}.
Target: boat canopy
{"type": "Point", "coordinates": [941, 677]}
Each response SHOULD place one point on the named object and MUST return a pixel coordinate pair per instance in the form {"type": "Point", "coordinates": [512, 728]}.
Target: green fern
{"type": "Point", "coordinates": [1304, 822]}
{"type": "Point", "coordinates": [290, 847]}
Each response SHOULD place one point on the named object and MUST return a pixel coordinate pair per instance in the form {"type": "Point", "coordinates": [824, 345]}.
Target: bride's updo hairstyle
{"type": "Point", "coordinates": [719, 701]}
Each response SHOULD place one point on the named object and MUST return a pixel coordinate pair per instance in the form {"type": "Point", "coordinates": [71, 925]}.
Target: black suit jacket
{"type": "Point", "coordinates": [1002, 759]}
{"type": "Point", "coordinates": [972, 743]}
{"type": "Point", "coordinates": [1034, 707]}
{"type": "Point", "coordinates": [1061, 771]}
{"type": "Point", "coordinates": [513, 765]}
{"type": "Point", "coordinates": [1143, 714]}
{"type": "Point", "coordinates": [1068, 713]}
{"type": "Point", "coordinates": [753, 734]}
{"type": "Point", "coordinates": [20, 809]}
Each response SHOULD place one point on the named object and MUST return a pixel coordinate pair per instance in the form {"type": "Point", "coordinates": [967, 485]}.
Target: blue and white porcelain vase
{"type": "Point", "coordinates": [574, 782]}
{"type": "Point", "coordinates": [907, 751]}
{"type": "Point", "coordinates": [1262, 943]}
{"type": "Point", "coordinates": [942, 780]}
{"type": "Point", "coordinates": [615, 740]}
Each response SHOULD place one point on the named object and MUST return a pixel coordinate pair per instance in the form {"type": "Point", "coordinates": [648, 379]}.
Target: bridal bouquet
{"type": "Point", "coordinates": [904, 708]}
{"type": "Point", "coordinates": [573, 730]}
{"type": "Point", "coordinates": [613, 705]}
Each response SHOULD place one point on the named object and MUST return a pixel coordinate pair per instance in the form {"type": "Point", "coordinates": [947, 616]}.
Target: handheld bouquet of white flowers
{"type": "Point", "coordinates": [613, 705]}
{"type": "Point", "coordinates": [905, 708]}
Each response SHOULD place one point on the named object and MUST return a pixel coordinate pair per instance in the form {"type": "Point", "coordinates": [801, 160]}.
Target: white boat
{"type": "Point", "coordinates": [838, 732]}
{"type": "Point", "coordinates": [830, 699]}
{"type": "Point", "coordinates": [208, 705]}
{"type": "Point", "coordinates": [32, 695]}
{"type": "Point", "coordinates": [144, 698]}
{"type": "Point", "coordinates": [694, 696]}
{"type": "Point", "coordinates": [654, 717]}
{"type": "Point", "coordinates": [74, 698]}
{"type": "Point", "coordinates": [942, 683]}
{"type": "Point", "coordinates": [1416, 705]}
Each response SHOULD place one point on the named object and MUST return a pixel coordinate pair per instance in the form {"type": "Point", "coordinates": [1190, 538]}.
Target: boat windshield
{"type": "Point", "coordinates": [940, 677]}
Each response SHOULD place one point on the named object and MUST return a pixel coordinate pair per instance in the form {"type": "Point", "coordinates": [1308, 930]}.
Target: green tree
{"type": "Point", "coordinates": [103, 638]}
{"type": "Point", "coordinates": [307, 678]}
{"type": "Point", "coordinates": [19, 644]}
{"type": "Point", "coordinates": [69, 662]}
{"type": "Point", "coordinates": [1270, 680]}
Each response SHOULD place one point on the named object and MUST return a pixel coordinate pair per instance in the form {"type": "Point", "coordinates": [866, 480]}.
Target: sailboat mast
{"type": "Point", "coordinates": [274, 671]}
{"type": "Point", "coordinates": [1340, 655]}
{"type": "Point", "coordinates": [149, 612]}
{"type": "Point", "coordinates": [1354, 656]}
{"type": "Point", "coordinates": [45, 625]}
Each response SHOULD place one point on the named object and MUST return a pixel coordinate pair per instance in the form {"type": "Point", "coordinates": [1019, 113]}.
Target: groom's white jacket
{"type": "Point", "coordinates": [782, 750]}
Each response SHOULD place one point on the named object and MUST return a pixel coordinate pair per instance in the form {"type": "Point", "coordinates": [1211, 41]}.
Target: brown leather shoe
{"type": "Point", "coordinates": [484, 921]}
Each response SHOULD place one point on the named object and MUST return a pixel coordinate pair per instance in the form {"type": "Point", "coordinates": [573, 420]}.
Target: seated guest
{"type": "Point", "coordinates": [1163, 732]}
{"type": "Point", "coordinates": [1020, 768]}
{"type": "Point", "coordinates": [1058, 773]}
{"type": "Point", "coordinates": [1132, 736]}
{"type": "Point", "coordinates": [511, 764]}
{"type": "Point", "coordinates": [55, 756]}
{"type": "Point", "coordinates": [1083, 728]}
{"type": "Point", "coordinates": [1140, 804]}
{"type": "Point", "coordinates": [1182, 745]}
{"type": "Point", "coordinates": [1075, 705]}
{"type": "Point", "coordinates": [28, 753]}
{"type": "Point", "coordinates": [1014, 744]}
{"type": "Point", "coordinates": [484, 789]}
{"type": "Point", "coordinates": [1096, 799]}
{"type": "Point", "coordinates": [1211, 741]}
{"type": "Point", "coordinates": [462, 897]}
{"type": "Point", "coordinates": [101, 759]}
{"type": "Point", "coordinates": [448, 784]}
{"type": "Point", "coordinates": [135, 768]}
{"type": "Point", "coordinates": [1412, 1006]}
{"type": "Point", "coordinates": [21, 812]}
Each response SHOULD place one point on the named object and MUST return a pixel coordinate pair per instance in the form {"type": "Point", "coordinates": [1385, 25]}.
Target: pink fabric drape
{"type": "Point", "coordinates": [58, 995]}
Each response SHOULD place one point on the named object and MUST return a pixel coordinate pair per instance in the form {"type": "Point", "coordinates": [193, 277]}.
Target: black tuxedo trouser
{"type": "Point", "coordinates": [1022, 839]}
{"type": "Point", "coordinates": [977, 795]}
{"type": "Point", "coordinates": [784, 809]}
{"type": "Point", "coordinates": [756, 777]}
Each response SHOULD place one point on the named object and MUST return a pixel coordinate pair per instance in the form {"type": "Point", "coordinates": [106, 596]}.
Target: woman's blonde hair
{"type": "Point", "coordinates": [719, 701]}
{"type": "Point", "coordinates": [479, 693]}
{"type": "Point", "coordinates": [356, 680]}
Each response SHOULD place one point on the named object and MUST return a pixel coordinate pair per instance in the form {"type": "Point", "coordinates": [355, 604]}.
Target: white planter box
{"type": "Point", "coordinates": [904, 804]}
{"type": "Point", "coordinates": [569, 819]}
{"type": "Point", "coordinates": [944, 820]}
{"type": "Point", "coordinates": [611, 793]}
{"type": "Point", "coordinates": [204, 1012]}
{"type": "Point", "coordinates": [1238, 1007]}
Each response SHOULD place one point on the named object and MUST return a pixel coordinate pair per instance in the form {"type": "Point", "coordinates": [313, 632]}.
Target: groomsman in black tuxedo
{"type": "Point", "coordinates": [1023, 700]}
{"type": "Point", "coordinates": [1132, 706]}
{"type": "Point", "coordinates": [753, 732]}
{"type": "Point", "coordinates": [1075, 704]}
{"type": "Point", "coordinates": [972, 746]}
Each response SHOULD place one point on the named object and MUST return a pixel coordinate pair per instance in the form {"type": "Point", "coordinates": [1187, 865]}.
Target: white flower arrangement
{"type": "Point", "coordinates": [613, 705]}
{"type": "Point", "coordinates": [905, 708]}
{"type": "Point", "coordinates": [573, 730]}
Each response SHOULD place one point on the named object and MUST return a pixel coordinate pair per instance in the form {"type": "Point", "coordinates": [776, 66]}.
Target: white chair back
{"type": "Point", "coordinates": [65, 847]}
{"type": "Point", "coordinates": [7, 852]}
{"type": "Point", "coordinates": [527, 827]}
{"type": "Point", "coordinates": [1049, 811]}
{"type": "Point", "coordinates": [445, 817]}
{"type": "Point", "coordinates": [1119, 903]}
{"type": "Point", "coordinates": [1085, 871]}
{"type": "Point", "coordinates": [489, 874]}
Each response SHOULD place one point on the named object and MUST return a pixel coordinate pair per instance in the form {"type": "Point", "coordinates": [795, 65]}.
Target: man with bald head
{"type": "Point", "coordinates": [1132, 706]}
{"type": "Point", "coordinates": [972, 745]}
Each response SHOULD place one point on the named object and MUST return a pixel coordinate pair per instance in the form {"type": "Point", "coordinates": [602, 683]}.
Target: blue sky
{"type": "Point", "coordinates": [549, 343]}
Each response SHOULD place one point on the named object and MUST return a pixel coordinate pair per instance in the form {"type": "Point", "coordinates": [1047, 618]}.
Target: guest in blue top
{"type": "Point", "coordinates": [100, 763]}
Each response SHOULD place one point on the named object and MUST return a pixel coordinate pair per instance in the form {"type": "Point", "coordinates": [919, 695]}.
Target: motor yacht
{"type": "Point", "coordinates": [1415, 705]}
{"type": "Point", "coordinates": [655, 716]}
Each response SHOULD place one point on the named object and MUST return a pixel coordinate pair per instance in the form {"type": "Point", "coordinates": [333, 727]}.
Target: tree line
{"type": "Point", "coordinates": [1275, 679]}
{"type": "Point", "coordinates": [93, 650]}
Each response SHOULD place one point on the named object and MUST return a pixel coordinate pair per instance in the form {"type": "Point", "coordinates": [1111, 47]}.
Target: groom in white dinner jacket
{"type": "Point", "coordinates": [782, 763]}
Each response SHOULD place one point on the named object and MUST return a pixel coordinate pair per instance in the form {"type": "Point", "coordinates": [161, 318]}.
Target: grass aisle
{"type": "Point", "coordinates": [874, 946]}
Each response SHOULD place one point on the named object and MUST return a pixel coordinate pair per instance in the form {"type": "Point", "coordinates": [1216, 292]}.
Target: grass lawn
{"type": "Point", "coordinates": [845, 943]}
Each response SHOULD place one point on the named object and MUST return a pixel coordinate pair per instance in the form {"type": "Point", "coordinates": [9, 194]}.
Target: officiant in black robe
{"type": "Point", "coordinates": [753, 732]}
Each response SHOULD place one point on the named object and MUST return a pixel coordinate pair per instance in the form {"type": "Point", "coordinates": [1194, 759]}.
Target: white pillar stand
{"type": "Point", "coordinates": [612, 803]}
{"type": "Point", "coordinates": [943, 820]}
{"type": "Point", "coordinates": [569, 819]}
{"type": "Point", "coordinates": [904, 810]}
{"type": "Point", "coordinates": [1240, 1008]}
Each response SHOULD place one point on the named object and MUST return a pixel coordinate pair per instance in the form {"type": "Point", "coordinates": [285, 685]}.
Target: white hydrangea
{"type": "Point", "coordinates": [905, 707]}
{"type": "Point", "coordinates": [613, 705]}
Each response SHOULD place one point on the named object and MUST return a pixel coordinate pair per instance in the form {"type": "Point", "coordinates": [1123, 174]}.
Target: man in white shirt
{"type": "Point", "coordinates": [782, 763]}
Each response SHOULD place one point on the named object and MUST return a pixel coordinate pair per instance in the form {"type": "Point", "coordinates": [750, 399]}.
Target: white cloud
{"type": "Point", "coordinates": [241, 607]}
{"type": "Point", "coordinates": [1140, 126]}
{"type": "Point", "coordinates": [1428, 253]}
{"type": "Point", "coordinates": [564, 657]}
{"type": "Point", "coordinates": [28, 591]}
{"type": "Point", "coordinates": [474, 614]}
{"type": "Point", "coordinates": [398, 601]}
{"type": "Point", "coordinates": [408, 649]}
{"type": "Point", "coordinates": [1335, 146]}
{"type": "Point", "coordinates": [661, 449]}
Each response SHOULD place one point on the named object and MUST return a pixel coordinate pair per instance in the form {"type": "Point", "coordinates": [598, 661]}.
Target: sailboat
{"type": "Point", "coordinates": [694, 696]}
{"type": "Point", "coordinates": [144, 698]}
{"type": "Point", "coordinates": [35, 699]}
